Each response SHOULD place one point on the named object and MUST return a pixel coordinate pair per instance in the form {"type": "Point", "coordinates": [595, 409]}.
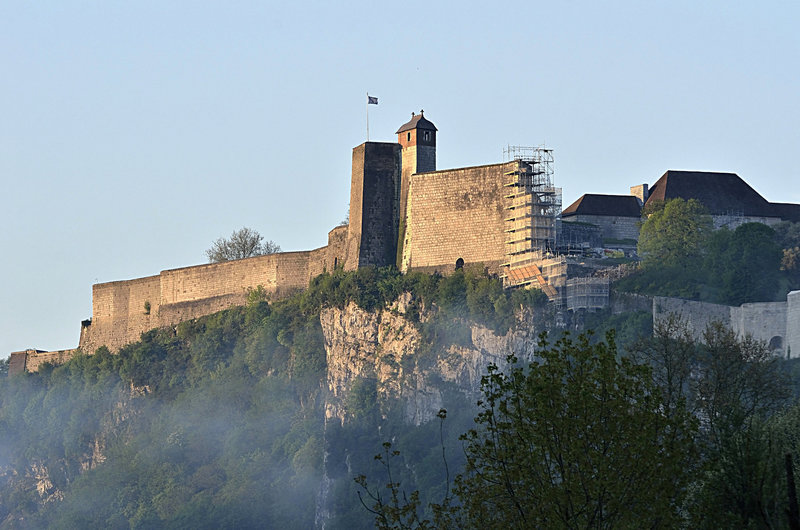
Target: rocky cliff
{"type": "Point", "coordinates": [387, 346]}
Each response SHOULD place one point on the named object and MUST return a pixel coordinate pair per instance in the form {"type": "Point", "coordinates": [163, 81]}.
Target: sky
{"type": "Point", "coordinates": [134, 134]}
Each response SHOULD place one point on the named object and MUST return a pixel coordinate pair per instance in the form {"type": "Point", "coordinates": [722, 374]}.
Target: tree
{"type": "Point", "coordinates": [743, 265]}
{"type": "Point", "coordinates": [243, 243]}
{"type": "Point", "coordinates": [671, 353]}
{"type": "Point", "coordinates": [576, 440]}
{"type": "Point", "coordinates": [674, 233]}
{"type": "Point", "coordinates": [739, 387]}
{"type": "Point", "coordinates": [733, 385]}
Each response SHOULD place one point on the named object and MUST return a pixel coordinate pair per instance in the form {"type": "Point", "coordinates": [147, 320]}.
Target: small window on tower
{"type": "Point", "coordinates": [427, 135]}
{"type": "Point", "coordinates": [408, 137]}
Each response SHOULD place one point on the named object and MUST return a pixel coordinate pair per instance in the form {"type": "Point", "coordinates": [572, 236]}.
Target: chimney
{"type": "Point", "coordinates": [641, 192]}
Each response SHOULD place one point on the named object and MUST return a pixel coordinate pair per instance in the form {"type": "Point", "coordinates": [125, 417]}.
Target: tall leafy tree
{"type": "Point", "coordinates": [743, 265]}
{"type": "Point", "coordinates": [578, 439]}
{"type": "Point", "coordinates": [673, 233]}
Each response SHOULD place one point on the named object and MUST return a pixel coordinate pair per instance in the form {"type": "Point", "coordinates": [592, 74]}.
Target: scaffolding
{"type": "Point", "coordinates": [587, 293]}
{"type": "Point", "coordinates": [532, 205]}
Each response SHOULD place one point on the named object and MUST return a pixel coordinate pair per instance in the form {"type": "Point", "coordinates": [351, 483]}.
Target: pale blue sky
{"type": "Point", "coordinates": [133, 134]}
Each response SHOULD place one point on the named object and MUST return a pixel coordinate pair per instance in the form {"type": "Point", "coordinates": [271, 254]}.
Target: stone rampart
{"type": "Point", "coordinates": [374, 205]}
{"type": "Point", "coordinates": [696, 315]}
{"type": "Point", "coordinates": [454, 214]}
{"type": "Point", "coordinates": [770, 322]}
{"type": "Point", "coordinates": [123, 310]}
{"type": "Point", "coordinates": [624, 302]}
{"type": "Point", "coordinates": [31, 360]}
{"type": "Point", "coordinates": [119, 312]}
{"type": "Point", "coordinates": [764, 321]}
{"type": "Point", "coordinates": [793, 323]}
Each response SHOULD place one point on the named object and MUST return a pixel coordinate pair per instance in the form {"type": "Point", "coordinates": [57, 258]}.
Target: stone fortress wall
{"type": "Point", "coordinates": [455, 214]}
{"type": "Point", "coordinates": [775, 323]}
{"type": "Point", "coordinates": [123, 310]}
{"type": "Point", "coordinates": [402, 212]}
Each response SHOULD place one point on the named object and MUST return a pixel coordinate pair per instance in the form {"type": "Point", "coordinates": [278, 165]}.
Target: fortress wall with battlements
{"type": "Point", "coordinates": [34, 361]}
{"type": "Point", "coordinates": [793, 323]}
{"type": "Point", "coordinates": [118, 311]}
{"type": "Point", "coordinates": [454, 214]}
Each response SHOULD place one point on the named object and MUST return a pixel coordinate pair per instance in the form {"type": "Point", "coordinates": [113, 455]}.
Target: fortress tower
{"type": "Point", "coordinates": [374, 199]}
{"type": "Point", "coordinates": [417, 140]}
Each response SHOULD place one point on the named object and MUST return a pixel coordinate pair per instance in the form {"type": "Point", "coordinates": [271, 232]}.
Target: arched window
{"type": "Point", "coordinates": [459, 263]}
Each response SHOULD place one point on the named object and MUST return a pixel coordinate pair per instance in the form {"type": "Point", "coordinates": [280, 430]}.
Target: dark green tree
{"type": "Point", "coordinates": [578, 439]}
{"type": "Point", "coordinates": [673, 233]}
{"type": "Point", "coordinates": [743, 265]}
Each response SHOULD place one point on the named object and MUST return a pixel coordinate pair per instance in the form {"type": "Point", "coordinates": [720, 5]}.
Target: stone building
{"type": "Point", "coordinates": [728, 198]}
{"type": "Point", "coordinates": [617, 216]}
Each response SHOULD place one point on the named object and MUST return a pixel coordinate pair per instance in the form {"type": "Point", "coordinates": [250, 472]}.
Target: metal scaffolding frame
{"type": "Point", "coordinates": [532, 206]}
{"type": "Point", "coordinates": [587, 293]}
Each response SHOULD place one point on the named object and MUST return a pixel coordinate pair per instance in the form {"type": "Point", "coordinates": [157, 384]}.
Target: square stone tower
{"type": "Point", "coordinates": [374, 200]}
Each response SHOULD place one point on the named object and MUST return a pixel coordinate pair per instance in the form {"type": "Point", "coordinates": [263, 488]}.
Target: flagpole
{"type": "Point", "coordinates": [368, 116]}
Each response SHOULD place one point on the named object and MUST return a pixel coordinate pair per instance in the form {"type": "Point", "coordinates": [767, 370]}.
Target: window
{"type": "Point", "coordinates": [427, 135]}
{"type": "Point", "coordinates": [408, 137]}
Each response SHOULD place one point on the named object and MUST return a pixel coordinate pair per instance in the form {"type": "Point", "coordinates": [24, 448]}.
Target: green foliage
{"type": "Point", "coordinates": [673, 233]}
{"type": "Point", "coordinates": [724, 266]}
{"type": "Point", "coordinates": [743, 265]}
{"type": "Point", "coordinates": [257, 295]}
{"type": "Point", "coordinates": [735, 387]}
{"type": "Point", "coordinates": [628, 327]}
{"type": "Point", "coordinates": [362, 398]}
{"type": "Point", "coordinates": [218, 422]}
{"type": "Point", "coordinates": [465, 294]}
{"type": "Point", "coordinates": [576, 440]}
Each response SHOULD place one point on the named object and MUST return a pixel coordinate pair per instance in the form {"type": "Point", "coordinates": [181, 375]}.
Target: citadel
{"type": "Point", "coordinates": [506, 217]}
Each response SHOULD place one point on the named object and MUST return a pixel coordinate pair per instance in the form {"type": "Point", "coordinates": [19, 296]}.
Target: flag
{"type": "Point", "coordinates": [372, 100]}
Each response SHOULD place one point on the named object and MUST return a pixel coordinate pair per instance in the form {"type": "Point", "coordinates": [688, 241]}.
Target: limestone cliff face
{"type": "Point", "coordinates": [385, 346]}
{"type": "Point", "coordinates": [39, 475]}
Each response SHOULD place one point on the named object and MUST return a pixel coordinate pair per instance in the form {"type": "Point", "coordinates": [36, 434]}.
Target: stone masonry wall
{"type": "Point", "coordinates": [35, 360]}
{"type": "Point", "coordinates": [793, 324]}
{"type": "Point", "coordinates": [612, 227]}
{"type": "Point", "coordinates": [697, 315]}
{"type": "Point", "coordinates": [455, 214]}
{"type": "Point", "coordinates": [118, 311]}
{"type": "Point", "coordinates": [764, 321]}
{"type": "Point", "coordinates": [120, 317]}
{"type": "Point", "coordinates": [374, 205]}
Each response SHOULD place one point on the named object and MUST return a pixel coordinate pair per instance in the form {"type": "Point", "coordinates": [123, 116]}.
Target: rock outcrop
{"type": "Point", "coordinates": [387, 347]}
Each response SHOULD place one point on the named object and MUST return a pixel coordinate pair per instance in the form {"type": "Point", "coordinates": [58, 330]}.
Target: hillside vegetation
{"type": "Point", "coordinates": [220, 423]}
{"type": "Point", "coordinates": [683, 256]}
